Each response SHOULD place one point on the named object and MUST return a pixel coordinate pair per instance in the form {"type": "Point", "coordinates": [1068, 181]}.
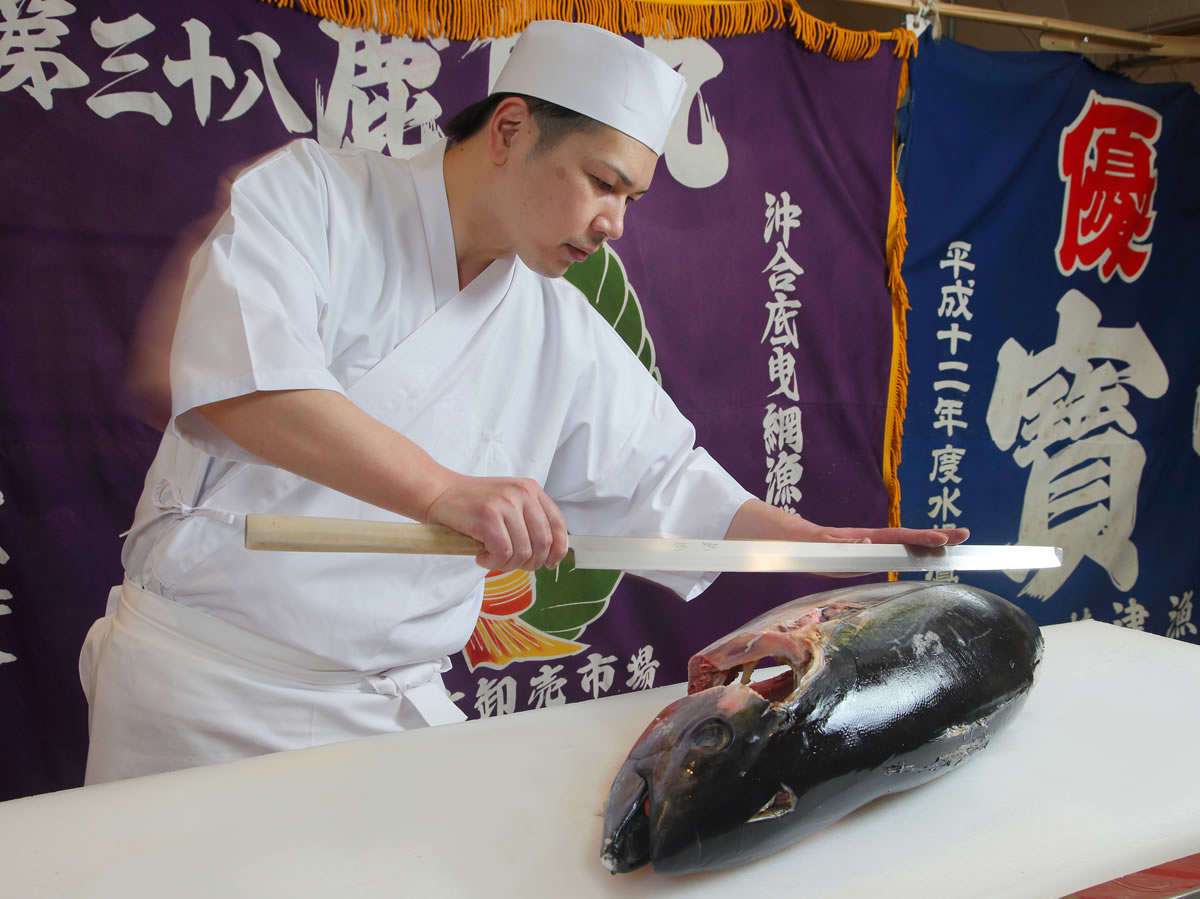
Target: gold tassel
{"type": "Point", "coordinates": [844, 44]}
{"type": "Point", "coordinates": [896, 244]}
{"type": "Point", "coordinates": [469, 19]}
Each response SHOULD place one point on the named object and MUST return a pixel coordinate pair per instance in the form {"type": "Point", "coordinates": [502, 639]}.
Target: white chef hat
{"type": "Point", "coordinates": [597, 73]}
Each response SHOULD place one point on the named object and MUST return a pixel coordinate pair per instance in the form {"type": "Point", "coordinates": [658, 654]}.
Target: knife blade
{"type": "Point", "coordinates": [299, 533]}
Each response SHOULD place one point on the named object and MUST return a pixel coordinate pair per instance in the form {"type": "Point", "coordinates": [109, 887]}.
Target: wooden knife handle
{"type": "Point", "coordinates": [301, 533]}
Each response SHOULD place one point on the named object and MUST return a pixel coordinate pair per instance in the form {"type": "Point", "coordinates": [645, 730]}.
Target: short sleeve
{"type": "Point", "coordinates": [256, 296]}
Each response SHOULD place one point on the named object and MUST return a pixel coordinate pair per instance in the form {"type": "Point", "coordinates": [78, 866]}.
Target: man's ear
{"type": "Point", "coordinates": [509, 119]}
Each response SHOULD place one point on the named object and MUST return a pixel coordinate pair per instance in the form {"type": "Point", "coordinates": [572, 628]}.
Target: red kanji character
{"type": "Point", "coordinates": [1106, 157]}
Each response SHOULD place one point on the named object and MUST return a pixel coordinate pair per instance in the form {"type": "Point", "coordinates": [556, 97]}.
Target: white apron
{"type": "Point", "coordinates": [170, 687]}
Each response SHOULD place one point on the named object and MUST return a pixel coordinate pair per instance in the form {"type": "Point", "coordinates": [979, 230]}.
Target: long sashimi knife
{"type": "Point", "coordinates": [313, 534]}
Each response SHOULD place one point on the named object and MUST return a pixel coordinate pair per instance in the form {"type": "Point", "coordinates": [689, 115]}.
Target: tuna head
{"type": "Point", "coordinates": [689, 781]}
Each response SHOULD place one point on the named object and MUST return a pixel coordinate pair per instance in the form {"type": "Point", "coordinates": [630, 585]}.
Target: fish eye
{"type": "Point", "coordinates": [712, 735]}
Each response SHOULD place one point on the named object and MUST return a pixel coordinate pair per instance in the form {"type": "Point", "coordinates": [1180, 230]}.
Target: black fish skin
{"type": "Point", "coordinates": [901, 683]}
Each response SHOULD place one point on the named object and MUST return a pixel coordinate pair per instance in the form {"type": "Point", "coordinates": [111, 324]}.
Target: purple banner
{"type": "Point", "coordinates": [752, 282]}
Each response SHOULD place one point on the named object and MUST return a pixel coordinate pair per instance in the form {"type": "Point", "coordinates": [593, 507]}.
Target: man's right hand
{"type": "Point", "coordinates": [517, 522]}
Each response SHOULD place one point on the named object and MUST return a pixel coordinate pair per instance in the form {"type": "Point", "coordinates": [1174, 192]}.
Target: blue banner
{"type": "Point", "coordinates": [1054, 215]}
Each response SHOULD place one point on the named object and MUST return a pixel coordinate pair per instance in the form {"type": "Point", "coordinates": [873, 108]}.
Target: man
{"type": "Point", "coordinates": [366, 337]}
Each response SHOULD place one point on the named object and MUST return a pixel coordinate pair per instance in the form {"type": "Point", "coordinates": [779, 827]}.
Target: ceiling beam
{"type": "Point", "coordinates": [1061, 34]}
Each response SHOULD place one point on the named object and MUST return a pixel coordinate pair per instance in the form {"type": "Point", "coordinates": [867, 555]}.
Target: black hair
{"type": "Point", "coordinates": [554, 122]}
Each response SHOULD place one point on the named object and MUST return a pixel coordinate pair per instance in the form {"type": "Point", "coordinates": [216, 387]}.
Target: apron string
{"type": "Point", "coordinates": [167, 498]}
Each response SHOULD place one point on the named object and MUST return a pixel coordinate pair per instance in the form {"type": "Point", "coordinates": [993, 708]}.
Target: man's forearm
{"type": "Point", "coordinates": [322, 436]}
{"type": "Point", "coordinates": [755, 520]}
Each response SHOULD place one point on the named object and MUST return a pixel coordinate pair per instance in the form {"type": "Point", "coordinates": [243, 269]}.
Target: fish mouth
{"type": "Point", "coordinates": [627, 824]}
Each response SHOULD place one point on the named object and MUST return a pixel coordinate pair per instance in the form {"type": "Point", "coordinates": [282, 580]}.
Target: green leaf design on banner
{"type": "Point", "coordinates": [567, 599]}
{"type": "Point", "coordinates": [602, 279]}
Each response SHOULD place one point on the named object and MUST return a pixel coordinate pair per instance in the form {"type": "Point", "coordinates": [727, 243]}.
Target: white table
{"type": "Point", "coordinates": [1097, 777]}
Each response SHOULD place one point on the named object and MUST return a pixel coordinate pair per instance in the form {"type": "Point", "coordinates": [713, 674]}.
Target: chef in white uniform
{"type": "Point", "coordinates": [366, 337]}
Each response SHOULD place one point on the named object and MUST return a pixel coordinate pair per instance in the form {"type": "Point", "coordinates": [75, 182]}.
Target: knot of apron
{"type": "Point", "coordinates": [400, 680]}
{"type": "Point", "coordinates": [421, 686]}
{"type": "Point", "coordinates": [167, 498]}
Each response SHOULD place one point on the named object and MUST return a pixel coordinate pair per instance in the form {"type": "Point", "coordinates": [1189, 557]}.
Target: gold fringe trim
{"type": "Point", "coordinates": [896, 245]}
{"type": "Point", "coordinates": [469, 19]}
{"type": "Point", "coordinates": [910, 51]}
{"type": "Point", "coordinates": [844, 44]}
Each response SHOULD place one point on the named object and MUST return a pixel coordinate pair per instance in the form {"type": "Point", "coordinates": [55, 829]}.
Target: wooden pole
{"type": "Point", "coordinates": [1061, 34]}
